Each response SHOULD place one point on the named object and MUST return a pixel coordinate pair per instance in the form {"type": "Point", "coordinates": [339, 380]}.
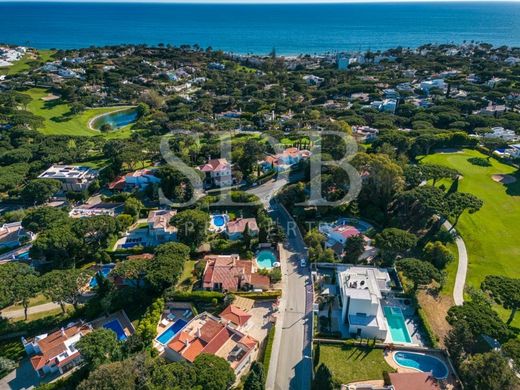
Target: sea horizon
{"type": "Point", "coordinates": [253, 28]}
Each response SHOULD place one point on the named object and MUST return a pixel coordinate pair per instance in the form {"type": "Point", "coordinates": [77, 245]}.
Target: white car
{"type": "Point", "coordinates": [303, 263]}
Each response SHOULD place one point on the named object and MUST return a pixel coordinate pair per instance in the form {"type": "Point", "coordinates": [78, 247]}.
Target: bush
{"type": "Point", "coordinates": [430, 334]}
{"type": "Point", "coordinates": [268, 349]}
{"type": "Point", "coordinates": [258, 296]}
{"type": "Point", "coordinates": [483, 162]}
{"type": "Point", "coordinates": [147, 327]}
{"type": "Point", "coordinates": [193, 296]}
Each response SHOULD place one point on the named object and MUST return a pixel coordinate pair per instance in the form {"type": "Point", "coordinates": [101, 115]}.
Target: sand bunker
{"type": "Point", "coordinates": [504, 179]}
{"type": "Point", "coordinates": [50, 97]}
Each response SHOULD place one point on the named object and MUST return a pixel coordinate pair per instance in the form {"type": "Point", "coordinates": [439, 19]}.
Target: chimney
{"type": "Point", "coordinates": [198, 333]}
{"type": "Point", "coordinates": [62, 331]}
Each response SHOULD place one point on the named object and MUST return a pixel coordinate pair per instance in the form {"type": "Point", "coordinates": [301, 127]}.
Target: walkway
{"type": "Point", "coordinates": [462, 269]}
{"type": "Point", "coordinates": [19, 313]}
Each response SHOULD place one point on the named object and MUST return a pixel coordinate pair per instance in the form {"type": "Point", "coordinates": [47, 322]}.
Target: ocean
{"type": "Point", "coordinates": [288, 28]}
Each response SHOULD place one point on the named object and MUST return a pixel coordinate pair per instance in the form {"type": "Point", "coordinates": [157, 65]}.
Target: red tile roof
{"type": "Point", "coordinates": [239, 225]}
{"type": "Point", "coordinates": [235, 315]}
{"type": "Point", "coordinates": [231, 273]}
{"type": "Point", "coordinates": [215, 165]}
{"type": "Point", "coordinates": [413, 381]}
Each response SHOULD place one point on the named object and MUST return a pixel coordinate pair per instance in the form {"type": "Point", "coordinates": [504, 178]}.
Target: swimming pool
{"type": "Point", "coordinates": [395, 319]}
{"type": "Point", "coordinates": [104, 271]}
{"type": "Point", "coordinates": [421, 362]}
{"type": "Point", "coordinates": [170, 333]}
{"type": "Point", "coordinates": [218, 222]}
{"type": "Point", "coordinates": [265, 259]}
{"type": "Point", "coordinates": [117, 328]}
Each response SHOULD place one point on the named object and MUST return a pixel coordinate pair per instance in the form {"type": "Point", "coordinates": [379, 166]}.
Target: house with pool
{"type": "Point", "coordinates": [230, 273]}
{"type": "Point", "coordinates": [361, 291]}
{"type": "Point", "coordinates": [222, 336]}
{"type": "Point", "coordinates": [217, 173]}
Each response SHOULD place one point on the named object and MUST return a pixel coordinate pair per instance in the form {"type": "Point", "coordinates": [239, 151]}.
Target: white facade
{"type": "Point", "coordinates": [500, 132]}
{"type": "Point", "coordinates": [361, 290]}
{"type": "Point", "coordinates": [435, 83]}
{"type": "Point", "coordinates": [72, 177]}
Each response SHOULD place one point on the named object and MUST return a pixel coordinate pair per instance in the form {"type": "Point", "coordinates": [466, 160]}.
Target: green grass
{"type": "Point", "coordinates": [40, 299]}
{"type": "Point", "coordinates": [59, 121]}
{"type": "Point", "coordinates": [186, 279]}
{"type": "Point", "coordinates": [25, 63]}
{"type": "Point", "coordinates": [491, 235]}
{"type": "Point", "coordinates": [351, 364]}
{"type": "Point", "coordinates": [451, 271]}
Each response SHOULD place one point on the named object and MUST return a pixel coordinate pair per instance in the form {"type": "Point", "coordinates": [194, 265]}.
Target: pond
{"type": "Point", "coordinates": [116, 119]}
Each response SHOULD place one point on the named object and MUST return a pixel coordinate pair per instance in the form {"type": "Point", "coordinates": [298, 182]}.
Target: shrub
{"type": "Point", "coordinates": [258, 296]}
{"type": "Point", "coordinates": [480, 161]}
{"type": "Point", "coordinates": [147, 327]}
{"type": "Point", "coordinates": [193, 296]}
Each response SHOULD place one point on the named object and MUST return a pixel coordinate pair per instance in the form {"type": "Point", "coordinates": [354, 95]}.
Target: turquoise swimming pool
{"type": "Point", "coordinates": [422, 362]}
{"type": "Point", "coordinates": [396, 324]}
{"type": "Point", "coordinates": [265, 259]}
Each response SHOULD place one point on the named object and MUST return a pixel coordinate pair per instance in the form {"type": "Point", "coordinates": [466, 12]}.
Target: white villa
{"type": "Point", "coordinates": [500, 132]}
{"type": "Point", "coordinates": [361, 291]}
{"type": "Point", "coordinates": [13, 234]}
{"type": "Point", "coordinates": [435, 83]}
{"type": "Point", "coordinates": [365, 133]}
{"type": "Point", "coordinates": [513, 151]}
{"type": "Point", "coordinates": [72, 177]}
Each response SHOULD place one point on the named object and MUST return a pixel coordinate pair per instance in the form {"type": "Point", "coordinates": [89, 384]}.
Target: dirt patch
{"type": "Point", "coordinates": [504, 179]}
{"type": "Point", "coordinates": [50, 97]}
{"type": "Point", "coordinates": [436, 308]}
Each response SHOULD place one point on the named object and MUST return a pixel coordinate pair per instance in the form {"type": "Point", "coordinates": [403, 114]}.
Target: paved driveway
{"type": "Point", "coordinates": [23, 377]}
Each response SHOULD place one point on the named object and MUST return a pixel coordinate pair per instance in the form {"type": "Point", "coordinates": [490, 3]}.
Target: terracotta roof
{"type": "Point", "coordinates": [249, 341]}
{"type": "Point", "coordinates": [347, 231]}
{"type": "Point", "coordinates": [239, 225]}
{"type": "Point", "coordinates": [160, 219]}
{"type": "Point", "coordinates": [54, 344]}
{"type": "Point", "coordinates": [194, 350]}
{"type": "Point", "coordinates": [117, 184]}
{"type": "Point", "coordinates": [413, 381]}
{"type": "Point", "coordinates": [215, 165]}
{"type": "Point", "coordinates": [209, 330]}
{"type": "Point", "coordinates": [230, 272]}
{"type": "Point", "coordinates": [143, 256]}
{"type": "Point", "coordinates": [235, 315]}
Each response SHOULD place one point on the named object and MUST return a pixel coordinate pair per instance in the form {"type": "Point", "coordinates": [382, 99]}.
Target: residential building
{"type": "Point", "coordinates": [365, 133]}
{"type": "Point", "coordinates": [137, 180]}
{"type": "Point", "coordinates": [283, 161]}
{"type": "Point", "coordinates": [361, 290]}
{"type": "Point", "coordinates": [493, 110]}
{"type": "Point", "coordinates": [217, 173]}
{"type": "Point", "coordinates": [390, 93]}
{"type": "Point", "coordinates": [159, 228]}
{"type": "Point", "coordinates": [229, 273]}
{"type": "Point", "coordinates": [427, 85]}
{"type": "Point", "coordinates": [311, 79]}
{"type": "Point", "coordinates": [72, 177]}
{"type": "Point", "coordinates": [13, 234]}
{"type": "Point", "coordinates": [500, 132]}
{"type": "Point", "coordinates": [56, 352]}
{"type": "Point", "coordinates": [235, 315]}
{"type": "Point", "coordinates": [387, 105]}
{"type": "Point", "coordinates": [209, 334]}
{"type": "Point", "coordinates": [413, 380]}
{"type": "Point", "coordinates": [235, 229]}
{"type": "Point", "coordinates": [513, 151]}
{"type": "Point", "coordinates": [91, 210]}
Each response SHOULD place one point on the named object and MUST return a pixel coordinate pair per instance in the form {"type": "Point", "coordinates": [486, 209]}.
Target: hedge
{"type": "Point", "coordinates": [193, 296]}
{"type": "Point", "coordinates": [147, 327]}
{"type": "Point", "coordinates": [258, 296]}
{"type": "Point", "coordinates": [430, 334]}
{"type": "Point", "coordinates": [266, 358]}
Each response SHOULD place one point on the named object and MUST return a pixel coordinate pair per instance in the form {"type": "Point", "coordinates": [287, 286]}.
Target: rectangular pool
{"type": "Point", "coordinates": [116, 327]}
{"type": "Point", "coordinates": [396, 324]}
{"type": "Point", "coordinates": [170, 333]}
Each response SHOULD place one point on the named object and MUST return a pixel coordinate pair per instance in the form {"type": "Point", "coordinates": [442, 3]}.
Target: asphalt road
{"type": "Point", "coordinates": [292, 351]}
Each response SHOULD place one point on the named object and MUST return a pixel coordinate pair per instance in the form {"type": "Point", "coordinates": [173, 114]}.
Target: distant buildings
{"type": "Point", "coordinates": [217, 173]}
{"type": "Point", "coordinates": [493, 110]}
{"type": "Point", "coordinates": [501, 133]}
{"type": "Point", "coordinates": [311, 79]}
{"type": "Point", "coordinates": [72, 177]}
{"type": "Point", "coordinates": [512, 151]}
{"type": "Point", "coordinates": [387, 105]}
{"type": "Point", "coordinates": [362, 289]}
{"type": "Point", "coordinates": [427, 85]}
{"type": "Point", "coordinates": [365, 133]}
{"type": "Point", "coordinates": [91, 210]}
{"type": "Point", "coordinates": [229, 273]}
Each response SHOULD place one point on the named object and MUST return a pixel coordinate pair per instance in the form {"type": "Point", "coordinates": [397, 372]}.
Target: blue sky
{"type": "Point", "coordinates": [275, 1]}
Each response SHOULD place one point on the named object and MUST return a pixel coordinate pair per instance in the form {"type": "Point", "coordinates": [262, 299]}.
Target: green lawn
{"type": "Point", "coordinates": [352, 364]}
{"type": "Point", "coordinates": [491, 235]}
{"type": "Point", "coordinates": [451, 271]}
{"type": "Point", "coordinates": [185, 281]}
{"type": "Point", "coordinates": [58, 121]}
{"type": "Point", "coordinates": [24, 64]}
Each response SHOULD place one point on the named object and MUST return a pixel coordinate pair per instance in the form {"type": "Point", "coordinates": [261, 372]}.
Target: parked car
{"type": "Point", "coordinates": [303, 263]}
